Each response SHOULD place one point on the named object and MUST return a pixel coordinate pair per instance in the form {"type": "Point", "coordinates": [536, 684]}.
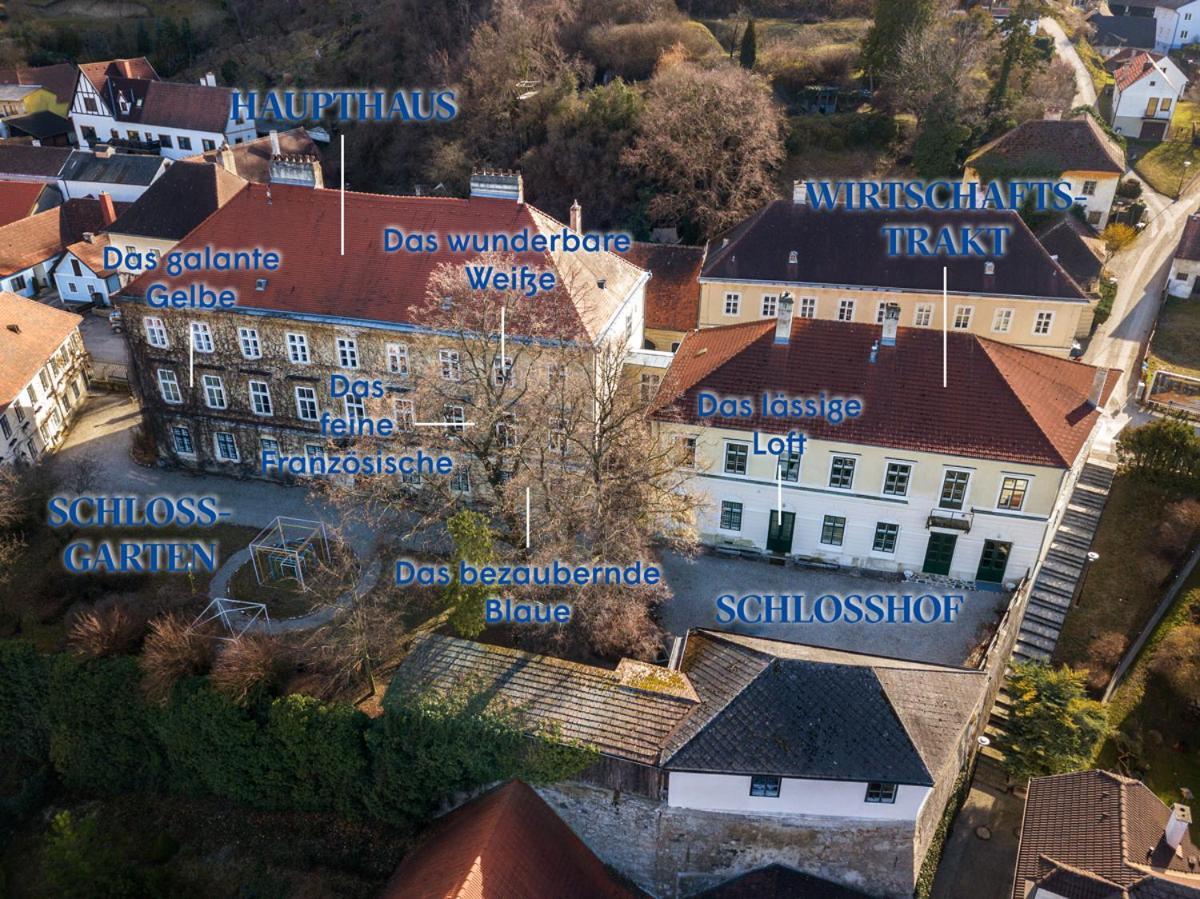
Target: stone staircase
{"type": "Point", "coordinates": [1054, 587]}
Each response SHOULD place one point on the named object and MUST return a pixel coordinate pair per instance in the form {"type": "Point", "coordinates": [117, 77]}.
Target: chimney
{"type": "Point", "coordinates": [499, 185]}
{"type": "Point", "coordinates": [1098, 380]}
{"type": "Point", "coordinates": [576, 217]}
{"type": "Point", "coordinates": [16, 329]}
{"type": "Point", "coordinates": [275, 143]}
{"type": "Point", "coordinates": [303, 171]}
{"type": "Point", "coordinates": [891, 321]}
{"type": "Point", "coordinates": [226, 158]}
{"type": "Point", "coordinates": [89, 236]}
{"type": "Point", "coordinates": [209, 79]}
{"type": "Point", "coordinates": [108, 212]}
{"type": "Point", "coordinates": [783, 324]}
{"type": "Point", "coordinates": [1177, 825]}
{"type": "Point", "coordinates": [800, 193]}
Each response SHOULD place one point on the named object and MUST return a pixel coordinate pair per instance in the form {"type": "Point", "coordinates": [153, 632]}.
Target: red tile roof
{"type": "Point", "coordinates": [91, 254]}
{"type": "Point", "coordinates": [40, 237]}
{"type": "Point", "coordinates": [41, 329]}
{"type": "Point", "coordinates": [1104, 825]}
{"type": "Point", "coordinates": [171, 104]}
{"type": "Point", "coordinates": [1137, 65]}
{"type": "Point", "coordinates": [1189, 242]}
{"type": "Point", "coordinates": [60, 79]}
{"type": "Point", "coordinates": [18, 199]}
{"type": "Point", "coordinates": [302, 224]}
{"type": "Point", "coordinates": [507, 844]}
{"type": "Point", "coordinates": [1002, 402]}
{"type": "Point", "coordinates": [98, 72]}
{"type": "Point", "coordinates": [252, 159]}
{"type": "Point", "coordinates": [673, 294]}
{"type": "Point", "coordinates": [1050, 146]}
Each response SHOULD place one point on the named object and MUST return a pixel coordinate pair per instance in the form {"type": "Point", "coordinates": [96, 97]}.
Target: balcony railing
{"type": "Point", "coordinates": [952, 519]}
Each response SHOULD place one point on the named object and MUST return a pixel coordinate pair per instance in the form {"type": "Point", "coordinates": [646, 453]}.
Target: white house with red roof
{"type": "Point", "coordinates": [964, 480]}
{"type": "Point", "coordinates": [1176, 22]}
{"type": "Point", "coordinates": [123, 102]}
{"type": "Point", "coordinates": [1146, 91]}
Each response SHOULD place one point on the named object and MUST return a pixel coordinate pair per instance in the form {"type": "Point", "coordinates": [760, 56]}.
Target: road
{"type": "Point", "coordinates": [1085, 91]}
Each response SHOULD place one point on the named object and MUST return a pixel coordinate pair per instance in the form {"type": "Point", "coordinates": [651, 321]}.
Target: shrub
{"type": "Point", "coordinates": [1103, 655]}
{"type": "Point", "coordinates": [250, 667]}
{"type": "Point", "coordinates": [109, 629]}
{"type": "Point", "coordinates": [1118, 235]}
{"type": "Point", "coordinates": [1177, 662]}
{"type": "Point", "coordinates": [1178, 529]}
{"type": "Point", "coordinates": [24, 694]}
{"type": "Point", "coordinates": [1130, 189]}
{"type": "Point", "coordinates": [172, 652]}
{"type": "Point", "coordinates": [632, 51]}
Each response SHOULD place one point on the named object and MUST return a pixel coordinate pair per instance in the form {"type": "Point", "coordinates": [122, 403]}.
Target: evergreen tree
{"type": "Point", "coordinates": [939, 142]}
{"type": "Point", "coordinates": [749, 51]}
{"type": "Point", "coordinates": [894, 20]}
{"type": "Point", "coordinates": [1019, 53]}
{"type": "Point", "coordinates": [142, 39]}
{"type": "Point", "coordinates": [473, 544]}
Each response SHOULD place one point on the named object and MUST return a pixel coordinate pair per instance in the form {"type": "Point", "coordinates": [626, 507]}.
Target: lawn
{"type": "Point", "coordinates": [37, 602]}
{"type": "Point", "coordinates": [1183, 121]}
{"type": "Point", "coordinates": [1158, 737]}
{"type": "Point", "coordinates": [1163, 165]}
{"type": "Point", "coordinates": [1123, 587]}
{"type": "Point", "coordinates": [1176, 343]}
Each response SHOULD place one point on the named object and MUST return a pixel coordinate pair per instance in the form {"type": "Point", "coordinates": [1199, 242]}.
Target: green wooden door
{"type": "Point", "coordinates": [779, 532]}
{"type": "Point", "coordinates": [939, 553]}
{"type": "Point", "coordinates": [993, 561]}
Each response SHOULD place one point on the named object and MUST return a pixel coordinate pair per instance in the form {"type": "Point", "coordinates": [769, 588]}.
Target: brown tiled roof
{"type": "Point", "coordinates": [837, 247]}
{"type": "Point", "coordinates": [179, 200]}
{"type": "Point", "coordinates": [171, 104]}
{"type": "Point", "coordinates": [1037, 405]}
{"type": "Point", "coordinates": [60, 79]}
{"type": "Point", "coordinates": [1075, 247]}
{"type": "Point", "coordinates": [26, 159]}
{"type": "Point", "coordinates": [780, 882]}
{"type": "Point", "coordinates": [1104, 825]}
{"type": "Point", "coordinates": [618, 715]}
{"type": "Point", "coordinates": [91, 254]}
{"type": "Point", "coordinates": [673, 294]}
{"type": "Point", "coordinates": [18, 199]}
{"type": "Point", "coordinates": [252, 159]}
{"type": "Point", "coordinates": [99, 72]}
{"type": "Point", "coordinates": [1044, 147]}
{"type": "Point", "coordinates": [1135, 67]}
{"type": "Point", "coordinates": [302, 224]}
{"type": "Point", "coordinates": [41, 329]}
{"type": "Point", "coordinates": [42, 236]}
{"type": "Point", "coordinates": [507, 844]}
{"type": "Point", "coordinates": [1189, 243]}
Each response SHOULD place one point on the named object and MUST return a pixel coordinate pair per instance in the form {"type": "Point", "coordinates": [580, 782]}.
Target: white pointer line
{"type": "Point", "coordinates": [503, 360]}
{"type": "Point", "coordinates": [443, 424]}
{"type": "Point", "coordinates": [945, 326]}
{"type": "Point", "coordinates": [191, 357]}
{"type": "Point", "coordinates": [779, 491]}
{"type": "Point", "coordinates": [527, 518]}
{"type": "Point", "coordinates": [342, 198]}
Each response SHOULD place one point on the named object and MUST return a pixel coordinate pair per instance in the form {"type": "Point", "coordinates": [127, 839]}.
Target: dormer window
{"type": "Point", "coordinates": [793, 257]}
{"type": "Point", "coordinates": [260, 284]}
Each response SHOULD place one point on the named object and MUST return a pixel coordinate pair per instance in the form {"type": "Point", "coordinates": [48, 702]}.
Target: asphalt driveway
{"type": "Point", "coordinates": [698, 582]}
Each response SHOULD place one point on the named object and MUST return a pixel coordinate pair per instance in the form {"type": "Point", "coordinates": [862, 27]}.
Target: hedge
{"type": "Point", "coordinates": [89, 720]}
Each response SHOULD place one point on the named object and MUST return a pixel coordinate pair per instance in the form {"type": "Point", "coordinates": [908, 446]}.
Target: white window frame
{"type": "Point", "coordinates": [251, 345]}
{"type": "Point", "coordinates": [347, 352]}
{"type": "Point", "coordinates": [770, 305]}
{"type": "Point", "coordinates": [397, 356]}
{"type": "Point", "coordinates": [833, 457]}
{"type": "Point", "coordinates": [211, 390]}
{"type": "Point", "coordinates": [964, 314]}
{"type": "Point", "coordinates": [175, 429]}
{"type": "Point", "coordinates": [455, 416]}
{"type": "Point", "coordinates": [923, 315]}
{"type": "Point", "coordinates": [1014, 476]}
{"type": "Point", "coordinates": [1002, 320]}
{"type": "Point", "coordinates": [237, 453]}
{"type": "Point", "coordinates": [404, 413]}
{"type": "Point", "coordinates": [887, 464]}
{"type": "Point", "coordinates": [167, 376]}
{"type": "Point", "coordinates": [807, 307]}
{"type": "Point", "coordinates": [301, 403]}
{"type": "Point", "coordinates": [502, 370]}
{"type": "Point", "coordinates": [732, 305]}
{"type": "Point", "coordinates": [1043, 322]}
{"type": "Point", "coordinates": [880, 311]}
{"type": "Point", "coordinates": [450, 364]}
{"type": "Point", "coordinates": [156, 332]}
{"type": "Point", "coordinates": [297, 344]}
{"type": "Point", "coordinates": [263, 392]}
{"type": "Point", "coordinates": [846, 308]}
{"type": "Point", "coordinates": [725, 458]}
{"type": "Point", "coordinates": [941, 487]}
{"type": "Point", "coordinates": [202, 338]}
{"type": "Point", "coordinates": [356, 407]}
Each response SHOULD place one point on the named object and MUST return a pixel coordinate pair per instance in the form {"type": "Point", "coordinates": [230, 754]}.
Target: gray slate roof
{"type": "Point", "coordinates": [1123, 31]}
{"type": "Point", "coordinates": [120, 168]}
{"type": "Point", "coordinates": [770, 707]}
{"type": "Point", "coordinates": [185, 195]}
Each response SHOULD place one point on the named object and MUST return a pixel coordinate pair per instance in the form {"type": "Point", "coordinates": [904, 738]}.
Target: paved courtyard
{"type": "Point", "coordinates": [698, 582]}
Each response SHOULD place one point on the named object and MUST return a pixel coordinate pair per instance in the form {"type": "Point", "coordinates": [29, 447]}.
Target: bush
{"type": "Point", "coordinates": [632, 51]}
{"type": "Point", "coordinates": [251, 667]}
{"type": "Point", "coordinates": [1103, 655]}
{"type": "Point", "coordinates": [109, 629]}
{"type": "Point", "coordinates": [24, 695]}
{"type": "Point", "coordinates": [1130, 189]}
{"type": "Point", "coordinates": [173, 652]}
{"type": "Point", "coordinates": [1117, 236]}
{"type": "Point", "coordinates": [1178, 529]}
{"type": "Point", "coordinates": [1177, 662]}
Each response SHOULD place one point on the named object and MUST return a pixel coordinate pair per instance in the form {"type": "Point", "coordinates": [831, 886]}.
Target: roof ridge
{"type": "Point", "coordinates": [912, 743]}
{"type": "Point", "coordinates": [743, 228]}
{"type": "Point", "coordinates": [670, 388]}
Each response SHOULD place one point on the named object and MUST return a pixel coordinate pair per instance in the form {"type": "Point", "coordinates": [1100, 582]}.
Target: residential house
{"type": "Point", "coordinates": [322, 314]}
{"type": "Point", "coordinates": [25, 162]}
{"type": "Point", "coordinates": [743, 752]}
{"type": "Point", "coordinates": [507, 843]}
{"type": "Point", "coordinates": [1175, 21]}
{"type": "Point", "coordinates": [251, 160]}
{"type": "Point", "coordinates": [1111, 34]}
{"type": "Point", "coordinates": [1185, 266]}
{"type": "Point", "coordinates": [123, 176]}
{"type": "Point", "coordinates": [1146, 91]}
{"type": "Point", "coordinates": [31, 247]}
{"type": "Point", "coordinates": [22, 99]}
{"type": "Point", "coordinates": [21, 199]}
{"type": "Point", "coordinates": [123, 103]}
{"type": "Point", "coordinates": [1096, 835]}
{"type": "Point", "coordinates": [959, 471]}
{"type": "Point", "coordinates": [82, 276]}
{"type": "Point", "coordinates": [1073, 150]}
{"type": "Point", "coordinates": [59, 79]}
{"type": "Point", "coordinates": [43, 377]}
{"type": "Point", "coordinates": [673, 294]}
{"type": "Point", "coordinates": [835, 264]}
{"type": "Point", "coordinates": [174, 205]}
{"type": "Point", "coordinates": [1075, 247]}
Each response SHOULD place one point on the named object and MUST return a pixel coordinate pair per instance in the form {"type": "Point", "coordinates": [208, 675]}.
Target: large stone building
{"type": "Point", "coordinates": [43, 377]}
{"type": "Point", "coordinates": [262, 370]}
{"type": "Point", "coordinates": [743, 752]}
{"type": "Point", "coordinates": [959, 472]}
{"type": "Point", "coordinates": [835, 264]}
